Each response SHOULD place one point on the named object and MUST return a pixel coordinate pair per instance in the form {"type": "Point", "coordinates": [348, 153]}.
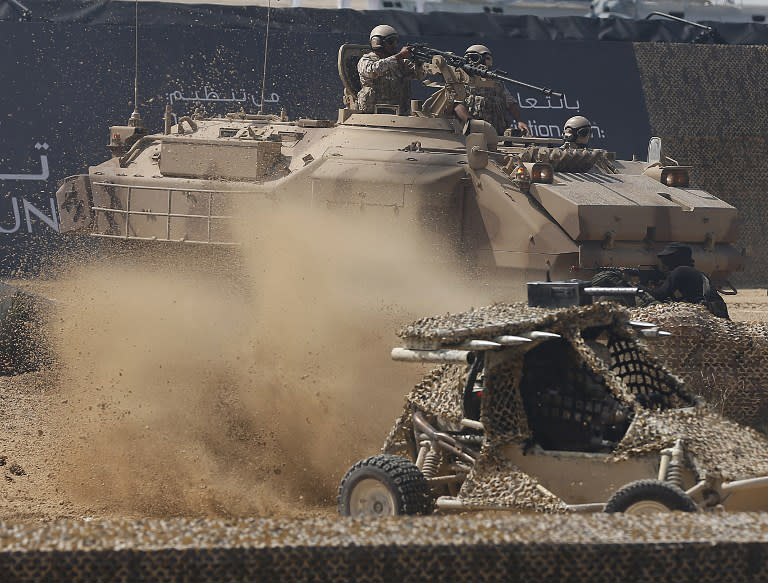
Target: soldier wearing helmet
{"type": "Point", "coordinates": [385, 72]}
{"type": "Point", "coordinates": [577, 131]}
{"type": "Point", "coordinates": [684, 283]}
{"type": "Point", "coordinates": [492, 103]}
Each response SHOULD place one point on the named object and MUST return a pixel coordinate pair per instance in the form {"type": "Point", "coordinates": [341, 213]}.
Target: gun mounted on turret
{"type": "Point", "coordinates": [425, 54]}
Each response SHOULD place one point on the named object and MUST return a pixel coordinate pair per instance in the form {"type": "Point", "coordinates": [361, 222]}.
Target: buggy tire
{"type": "Point", "coordinates": [647, 496]}
{"type": "Point", "coordinates": [384, 485]}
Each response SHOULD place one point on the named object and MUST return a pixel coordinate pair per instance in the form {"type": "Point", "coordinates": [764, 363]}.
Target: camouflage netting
{"type": "Point", "coordinates": [502, 413]}
{"type": "Point", "coordinates": [439, 393]}
{"type": "Point", "coordinates": [663, 548]}
{"type": "Point", "coordinates": [642, 375]}
{"type": "Point", "coordinates": [717, 445]}
{"type": "Point", "coordinates": [614, 357]}
{"type": "Point", "coordinates": [720, 131]}
{"type": "Point", "coordinates": [721, 360]}
{"type": "Point", "coordinates": [499, 482]}
{"type": "Point", "coordinates": [500, 319]}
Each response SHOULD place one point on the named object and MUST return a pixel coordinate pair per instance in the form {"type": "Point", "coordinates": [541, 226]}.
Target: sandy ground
{"type": "Point", "coordinates": [112, 441]}
{"type": "Point", "coordinates": [225, 385]}
{"type": "Point", "coordinates": [749, 305]}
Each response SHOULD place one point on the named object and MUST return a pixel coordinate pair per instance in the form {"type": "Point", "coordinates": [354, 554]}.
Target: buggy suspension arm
{"type": "Point", "coordinates": [439, 438]}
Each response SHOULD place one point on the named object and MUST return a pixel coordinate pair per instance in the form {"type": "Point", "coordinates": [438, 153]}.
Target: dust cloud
{"type": "Point", "coordinates": [246, 384]}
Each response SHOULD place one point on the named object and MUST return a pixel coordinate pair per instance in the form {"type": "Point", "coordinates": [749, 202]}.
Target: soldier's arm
{"type": "Point", "coordinates": [461, 111]}
{"type": "Point", "coordinates": [643, 299]}
{"type": "Point", "coordinates": [663, 291]}
{"type": "Point", "coordinates": [376, 68]}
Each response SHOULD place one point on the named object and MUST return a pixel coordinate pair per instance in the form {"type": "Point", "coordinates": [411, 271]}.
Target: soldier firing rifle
{"type": "Point", "coordinates": [423, 54]}
{"type": "Point", "coordinates": [473, 90]}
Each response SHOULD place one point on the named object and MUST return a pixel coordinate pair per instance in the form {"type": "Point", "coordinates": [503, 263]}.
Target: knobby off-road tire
{"type": "Point", "coordinates": [384, 485]}
{"type": "Point", "coordinates": [647, 496]}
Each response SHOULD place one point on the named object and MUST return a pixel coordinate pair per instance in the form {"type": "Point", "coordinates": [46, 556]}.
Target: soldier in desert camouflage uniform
{"type": "Point", "coordinates": [385, 72]}
{"type": "Point", "coordinates": [491, 103]}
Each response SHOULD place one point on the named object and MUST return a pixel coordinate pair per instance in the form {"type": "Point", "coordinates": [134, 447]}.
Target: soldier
{"type": "Point", "coordinates": [492, 103]}
{"type": "Point", "coordinates": [684, 283]}
{"type": "Point", "coordinates": [385, 72]}
{"type": "Point", "coordinates": [576, 132]}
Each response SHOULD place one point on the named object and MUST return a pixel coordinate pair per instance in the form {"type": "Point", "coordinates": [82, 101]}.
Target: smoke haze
{"type": "Point", "coordinates": [243, 383]}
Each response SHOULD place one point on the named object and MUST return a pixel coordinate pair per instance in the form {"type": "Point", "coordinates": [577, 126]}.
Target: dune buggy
{"type": "Point", "coordinates": [553, 410]}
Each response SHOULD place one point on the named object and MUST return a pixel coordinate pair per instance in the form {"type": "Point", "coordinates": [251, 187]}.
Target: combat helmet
{"type": "Point", "coordinates": [479, 55]}
{"type": "Point", "coordinates": [577, 130]}
{"type": "Point", "coordinates": [382, 36]}
{"type": "Point", "coordinates": [675, 254]}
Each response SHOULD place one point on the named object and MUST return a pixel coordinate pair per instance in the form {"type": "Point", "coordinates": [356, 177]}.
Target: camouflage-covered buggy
{"type": "Point", "coordinates": [552, 410]}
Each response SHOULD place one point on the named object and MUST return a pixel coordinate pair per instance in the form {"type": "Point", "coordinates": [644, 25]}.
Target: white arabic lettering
{"type": "Point", "coordinates": [214, 96]}
{"type": "Point", "coordinates": [174, 96]}
{"type": "Point", "coordinates": [561, 103]}
{"type": "Point", "coordinates": [44, 172]}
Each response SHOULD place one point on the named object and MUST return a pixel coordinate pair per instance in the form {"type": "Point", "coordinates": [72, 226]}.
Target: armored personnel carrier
{"type": "Point", "coordinates": [552, 410]}
{"type": "Point", "coordinates": [516, 208]}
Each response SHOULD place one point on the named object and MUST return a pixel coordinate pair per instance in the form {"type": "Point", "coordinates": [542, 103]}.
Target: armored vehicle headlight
{"type": "Point", "coordinates": [542, 173]}
{"type": "Point", "coordinates": [535, 172]}
{"type": "Point", "coordinates": [677, 177]}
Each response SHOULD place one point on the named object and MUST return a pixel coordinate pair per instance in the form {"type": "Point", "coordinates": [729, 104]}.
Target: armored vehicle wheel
{"type": "Point", "coordinates": [384, 485]}
{"type": "Point", "coordinates": [648, 497]}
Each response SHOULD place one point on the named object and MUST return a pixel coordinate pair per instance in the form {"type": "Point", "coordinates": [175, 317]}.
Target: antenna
{"type": "Point", "coordinates": [25, 14]}
{"type": "Point", "coordinates": [266, 49]}
{"type": "Point", "coordinates": [135, 119]}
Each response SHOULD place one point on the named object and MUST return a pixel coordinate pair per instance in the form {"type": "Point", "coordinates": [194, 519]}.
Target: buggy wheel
{"type": "Point", "coordinates": [649, 497]}
{"type": "Point", "coordinates": [384, 485]}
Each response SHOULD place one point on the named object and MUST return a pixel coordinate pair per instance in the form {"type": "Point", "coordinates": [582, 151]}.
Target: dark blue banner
{"type": "Point", "coordinates": [470, 25]}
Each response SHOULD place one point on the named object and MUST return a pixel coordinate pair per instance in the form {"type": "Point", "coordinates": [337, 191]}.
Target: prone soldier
{"type": "Point", "coordinates": [678, 281]}
{"type": "Point", "coordinates": [684, 283]}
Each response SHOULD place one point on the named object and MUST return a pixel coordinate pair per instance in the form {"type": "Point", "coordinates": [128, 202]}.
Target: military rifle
{"type": "Point", "coordinates": [645, 274]}
{"type": "Point", "coordinates": [423, 54]}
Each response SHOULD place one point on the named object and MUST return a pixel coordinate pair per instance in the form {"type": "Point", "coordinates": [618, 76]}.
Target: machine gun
{"type": "Point", "coordinates": [424, 54]}
{"type": "Point", "coordinates": [643, 275]}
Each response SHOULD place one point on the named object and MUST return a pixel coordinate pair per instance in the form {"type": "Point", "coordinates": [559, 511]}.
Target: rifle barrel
{"type": "Point", "coordinates": [544, 90]}
{"type": "Point", "coordinates": [425, 53]}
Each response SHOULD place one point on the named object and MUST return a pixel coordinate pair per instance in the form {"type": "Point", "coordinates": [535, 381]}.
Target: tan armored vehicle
{"type": "Point", "coordinates": [552, 410]}
{"type": "Point", "coordinates": [516, 208]}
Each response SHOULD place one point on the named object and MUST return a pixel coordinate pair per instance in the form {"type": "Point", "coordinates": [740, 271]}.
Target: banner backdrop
{"type": "Point", "coordinates": [475, 25]}
{"type": "Point", "coordinates": [63, 85]}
